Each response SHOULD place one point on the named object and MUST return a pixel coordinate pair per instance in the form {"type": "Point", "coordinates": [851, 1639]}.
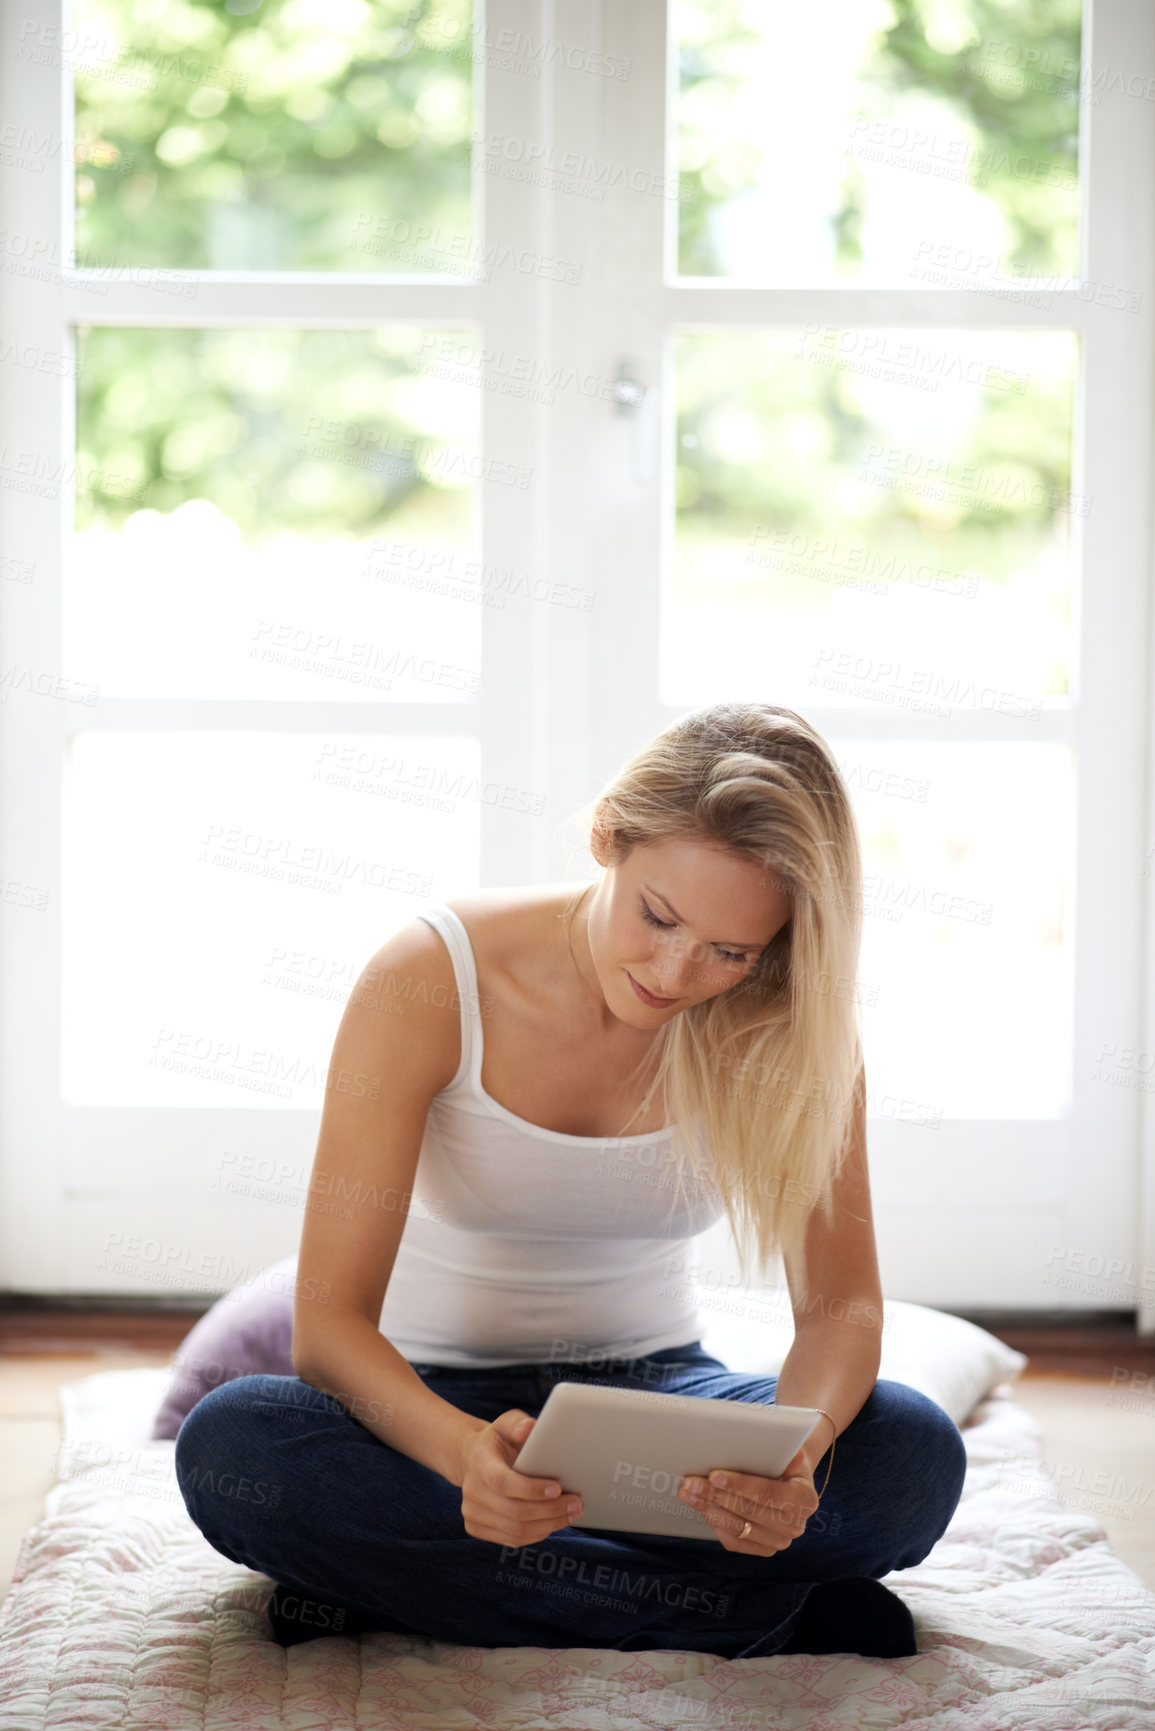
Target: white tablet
{"type": "Point", "coordinates": [625, 1451]}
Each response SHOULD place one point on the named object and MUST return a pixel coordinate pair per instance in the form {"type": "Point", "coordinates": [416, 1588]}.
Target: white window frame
{"type": "Point", "coordinates": [1004, 1203]}
{"type": "Point", "coordinates": [566, 696]}
{"type": "Point", "coordinates": [73, 1177]}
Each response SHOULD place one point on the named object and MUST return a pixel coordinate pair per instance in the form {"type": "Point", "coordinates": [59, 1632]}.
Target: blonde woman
{"type": "Point", "coordinates": [539, 1099]}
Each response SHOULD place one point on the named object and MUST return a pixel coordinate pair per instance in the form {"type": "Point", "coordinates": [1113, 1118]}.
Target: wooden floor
{"type": "Point", "coordinates": [1093, 1398]}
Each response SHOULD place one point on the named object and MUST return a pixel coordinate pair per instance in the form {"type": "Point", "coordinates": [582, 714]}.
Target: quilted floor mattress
{"type": "Point", "coordinates": [121, 1615]}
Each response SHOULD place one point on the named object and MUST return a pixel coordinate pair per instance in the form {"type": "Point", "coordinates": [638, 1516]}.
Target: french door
{"type": "Point", "coordinates": [406, 416]}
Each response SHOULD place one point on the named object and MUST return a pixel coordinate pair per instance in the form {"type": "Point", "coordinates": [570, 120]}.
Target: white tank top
{"type": "Point", "coordinates": [523, 1244]}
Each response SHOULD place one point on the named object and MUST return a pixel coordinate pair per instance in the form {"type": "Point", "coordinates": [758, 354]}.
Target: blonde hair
{"type": "Point", "coordinates": [769, 1072]}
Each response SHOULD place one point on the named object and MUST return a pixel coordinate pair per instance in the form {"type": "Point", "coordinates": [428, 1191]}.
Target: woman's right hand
{"type": "Point", "coordinates": [502, 1505]}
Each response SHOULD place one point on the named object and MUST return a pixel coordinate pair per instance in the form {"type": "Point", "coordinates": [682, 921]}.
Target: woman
{"type": "Point", "coordinates": [550, 1095]}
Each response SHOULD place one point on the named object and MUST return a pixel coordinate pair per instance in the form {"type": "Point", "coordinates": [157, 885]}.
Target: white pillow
{"type": "Point", "coordinates": [951, 1360]}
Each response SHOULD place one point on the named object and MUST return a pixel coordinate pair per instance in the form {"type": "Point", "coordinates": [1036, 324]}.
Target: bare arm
{"type": "Point", "coordinates": [383, 1392]}
{"type": "Point", "coordinates": [367, 1153]}
{"type": "Point", "coordinates": [834, 1358]}
{"type": "Point", "coordinates": [408, 1044]}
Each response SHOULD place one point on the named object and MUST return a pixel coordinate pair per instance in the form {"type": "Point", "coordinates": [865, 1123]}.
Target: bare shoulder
{"type": "Point", "coordinates": [405, 1002]}
{"type": "Point", "coordinates": [406, 1006]}
{"type": "Point", "coordinates": [503, 924]}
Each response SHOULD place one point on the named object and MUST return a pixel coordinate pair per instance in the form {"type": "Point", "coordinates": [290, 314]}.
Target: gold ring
{"type": "Point", "coordinates": [745, 1533]}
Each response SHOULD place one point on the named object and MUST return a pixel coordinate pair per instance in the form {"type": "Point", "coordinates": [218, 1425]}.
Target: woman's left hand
{"type": "Point", "coordinates": [777, 1509]}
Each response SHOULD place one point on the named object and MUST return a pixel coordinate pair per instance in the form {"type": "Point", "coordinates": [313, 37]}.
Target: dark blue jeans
{"type": "Point", "coordinates": [283, 1479]}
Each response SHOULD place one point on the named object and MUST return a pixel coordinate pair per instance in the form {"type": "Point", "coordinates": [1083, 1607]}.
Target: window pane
{"type": "Point", "coordinates": [825, 142]}
{"type": "Point", "coordinates": [873, 517]}
{"type": "Point", "coordinates": [274, 514]}
{"type": "Point", "coordinates": [222, 893]}
{"type": "Point", "coordinates": [275, 135]}
{"type": "Point", "coordinates": [966, 979]}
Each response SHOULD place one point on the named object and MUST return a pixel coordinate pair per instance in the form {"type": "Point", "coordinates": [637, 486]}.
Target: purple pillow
{"type": "Point", "coordinates": [249, 1330]}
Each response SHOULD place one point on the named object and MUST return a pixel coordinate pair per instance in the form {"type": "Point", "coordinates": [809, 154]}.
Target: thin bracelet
{"type": "Point", "coordinates": [830, 1462]}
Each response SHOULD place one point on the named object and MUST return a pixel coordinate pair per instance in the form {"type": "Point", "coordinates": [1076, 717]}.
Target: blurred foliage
{"type": "Point", "coordinates": [274, 134]}
{"type": "Point", "coordinates": [773, 442]}
{"type": "Point", "coordinates": [975, 57]}
{"type": "Point", "coordinates": [765, 436]}
{"type": "Point", "coordinates": [769, 439]}
{"type": "Point", "coordinates": [272, 137]}
{"type": "Point", "coordinates": [318, 432]}
{"type": "Point", "coordinates": [286, 136]}
{"type": "Point", "coordinates": [1018, 115]}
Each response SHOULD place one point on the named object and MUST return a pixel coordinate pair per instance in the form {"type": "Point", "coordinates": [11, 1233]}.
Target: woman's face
{"type": "Point", "coordinates": [683, 919]}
